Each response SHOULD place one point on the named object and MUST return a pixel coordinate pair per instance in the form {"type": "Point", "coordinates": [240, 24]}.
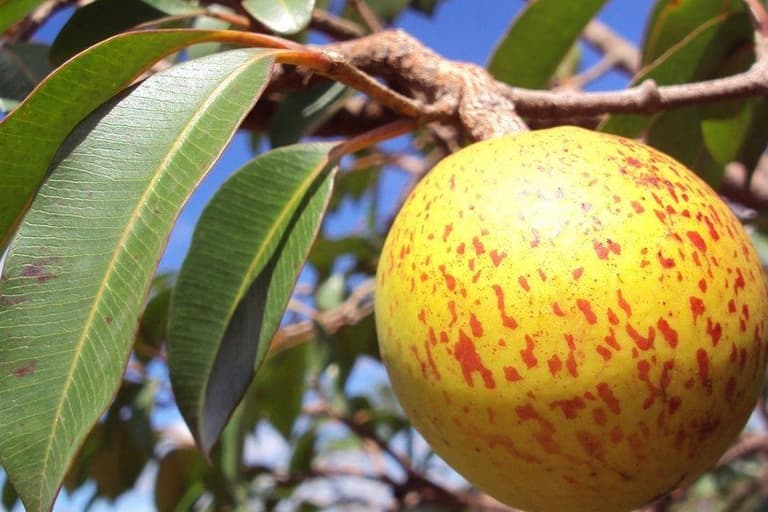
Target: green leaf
{"type": "Point", "coordinates": [9, 495]}
{"type": "Point", "coordinates": [235, 282]}
{"type": "Point", "coordinates": [330, 293]}
{"type": "Point", "coordinates": [81, 264]}
{"type": "Point", "coordinates": [179, 480]}
{"type": "Point", "coordinates": [303, 452]}
{"type": "Point", "coordinates": [100, 19]}
{"type": "Point", "coordinates": [673, 20]}
{"type": "Point", "coordinates": [385, 10]}
{"type": "Point", "coordinates": [30, 135]}
{"type": "Point", "coordinates": [325, 251]}
{"type": "Point", "coordinates": [153, 326]}
{"type": "Point", "coordinates": [696, 57]}
{"type": "Point", "coordinates": [353, 341]}
{"type": "Point", "coordinates": [12, 11]}
{"type": "Point", "coordinates": [277, 392]}
{"type": "Point", "coordinates": [282, 16]}
{"type": "Point", "coordinates": [22, 67]}
{"type": "Point", "coordinates": [301, 112]}
{"type": "Point", "coordinates": [539, 39]}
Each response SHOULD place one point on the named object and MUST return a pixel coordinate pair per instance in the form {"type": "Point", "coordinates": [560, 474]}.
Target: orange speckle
{"type": "Point", "coordinates": [556, 309]}
{"type": "Point", "coordinates": [586, 309]}
{"type": "Point", "coordinates": [642, 342]}
{"type": "Point", "coordinates": [542, 275]}
{"type": "Point", "coordinates": [467, 356]}
{"type": "Point", "coordinates": [601, 250]}
{"type": "Point", "coordinates": [598, 414]}
{"type": "Point", "coordinates": [511, 374]}
{"type": "Point", "coordinates": [497, 257]}
{"type": "Point", "coordinates": [535, 239]}
{"type": "Point", "coordinates": [696, 240]}
{"type": "Point", "coordinates": [703, 285]}
{"type": "Point", "coordinates": [637, 207]}
{"type": "Point", "coordinates": [450, 281]}
{"type": "Point", "coordinates": [591, 444]}
{"type": "Point", "coordinates": [670, 335]}
{"type": "Point", "coordinates": [612, 318]}
{"type": "Point", "coordinates": [523, 283]}
{"type": "Point", "coordinates": [452, 311]}
{"type": "Point", "coordinates": [475, 325]}
{"type": "Point", "coordinates": [665, 262]}
{"type": "Point", "coordinates": [527, 353]}
{"type": "Point", "coordinates": [623, 304]}
{"type": "Point", "coordinates": [460, 248]}
{"type": "Point", "coordinates": [611, 339]}
{"type": "Point", "coordinates": [506, 320]}
{"type": "Point", "coordinates": [674, 403]}
{"type": "Point", "coordinates": [607, 396]}
{"type": "Point", "coordinates": [570, 407]}
{"type": "Point", "coordinates": [479, 247]}
{"type": "Point", "coordinates": [714, 330]}
{"type": "Point", "coordinates": [577, 273]}
{"type": "Point", "coordinates": [447, 231]}
{"type": "Point", "coordinates": [605, 353]}
{"type": "Point", "coordinates": [697, 307]}
{"type": "Point", "coordinates": [555, 365]}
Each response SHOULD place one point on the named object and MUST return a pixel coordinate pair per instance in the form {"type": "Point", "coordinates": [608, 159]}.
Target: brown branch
{"type": "Point", "coordinates": [356, 307]}
{"type": "Point", "coordinates": [366, 14]}
{"type": "Point", "coordinates": [618, 51]}
{"type": "Point", "coordinates": [331, 25]}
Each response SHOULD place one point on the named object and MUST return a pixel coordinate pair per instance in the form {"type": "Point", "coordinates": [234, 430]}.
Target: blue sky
{"type": "Point", "coordinates": [462, 30]}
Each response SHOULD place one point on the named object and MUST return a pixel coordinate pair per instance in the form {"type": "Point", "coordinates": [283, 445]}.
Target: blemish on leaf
{"type": "Point", "coordinates": [25, 369]}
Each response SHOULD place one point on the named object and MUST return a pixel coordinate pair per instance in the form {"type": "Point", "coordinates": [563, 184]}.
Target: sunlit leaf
{"type": "Point", "coordinates": [233, 286]}
{"type": "Point", "coordinates": [31, 134]}
{"type": "Point", "coordinates": [81, 264]}
{"type": "Point", "coordinates": [282, 16]}
{"type": "Point", "coordinates": [539, 39]}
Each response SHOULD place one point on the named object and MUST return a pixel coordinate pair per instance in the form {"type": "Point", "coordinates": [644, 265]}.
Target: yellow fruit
{"type": "Point", "coordinates": [573, 321]}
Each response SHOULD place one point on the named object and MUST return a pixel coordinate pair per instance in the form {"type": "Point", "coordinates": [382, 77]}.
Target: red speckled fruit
{"type": "Point", "coordinates": [573, 321]}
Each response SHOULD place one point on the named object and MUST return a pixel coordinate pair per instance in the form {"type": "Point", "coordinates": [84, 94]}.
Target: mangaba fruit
{"type": "Point", "coordinates": [573, 321]}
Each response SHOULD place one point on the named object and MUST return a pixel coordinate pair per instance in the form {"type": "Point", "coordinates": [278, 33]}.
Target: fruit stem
{"type": "Point", "coordinates": [371, 137]}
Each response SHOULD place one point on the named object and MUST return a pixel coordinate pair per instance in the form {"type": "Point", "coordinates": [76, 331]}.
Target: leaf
{"type": "Point", "coordinates": [353, 341]}
{"type": "Point", "coordinates": [12, 11]}
{"type": "Point", "coordinates": [539, 39]}
{"type": "Point", "coordinates": [22, 67]}
{"type": "Point", "coordinates": [235, 282]}
{"type": "Point", "coordinates": [303, 453]}
{"type": "Point", "coordinates": [100, 19]}
{"type": "Point", "coordinates": [277, 392]}
{"type": "Point", "coordinates": [9, 495]}
{"type": "Point", "coordinates": [325, 251]}
{"type": "Point", "coordinates": [282, 16]}
{"type": "Point", "coordinates": [330, 293]}
{"type": "Point", "coordinates": [81, 264]}
{"type": "Point", "coordinates": [672, 20]}
{"type": "Point", "coordinates": [30, 135]}
{"type": "Point", "coordinates": [301, 112]}
{"type": "Point", "coordinates": [179, 479]}
{"type": "Point", "coordinates": [695, 57]}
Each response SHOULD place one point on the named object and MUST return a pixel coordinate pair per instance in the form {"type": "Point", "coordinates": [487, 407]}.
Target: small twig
{"type": "Point", "coordinates": [338, 28]}
{"type": "Point", "coordinates": [620, 52]}
{"type": "Point", "coordinates": [356, 307]}
{"type": "Point", "coordinates": [366, 14]}
{"type": "Point", "coordinates": [760, 22]}
{"type": "Point", "coordinates": [368, 139]}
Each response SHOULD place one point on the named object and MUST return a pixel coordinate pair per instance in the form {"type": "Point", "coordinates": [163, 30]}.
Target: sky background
{"type": "Point", "coordinates": [465, 30]}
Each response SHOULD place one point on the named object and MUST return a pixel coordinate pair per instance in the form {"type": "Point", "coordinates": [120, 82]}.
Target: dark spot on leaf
{"type": "Point", "coordinates": [24, 370]}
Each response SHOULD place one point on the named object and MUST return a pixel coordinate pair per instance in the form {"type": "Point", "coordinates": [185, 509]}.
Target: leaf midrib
{"type": "Point", "coordinates": [175, 148]}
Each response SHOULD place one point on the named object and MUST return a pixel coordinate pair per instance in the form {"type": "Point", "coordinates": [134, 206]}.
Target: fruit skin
{"type": "Point", "coordinates": [572, 320]}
